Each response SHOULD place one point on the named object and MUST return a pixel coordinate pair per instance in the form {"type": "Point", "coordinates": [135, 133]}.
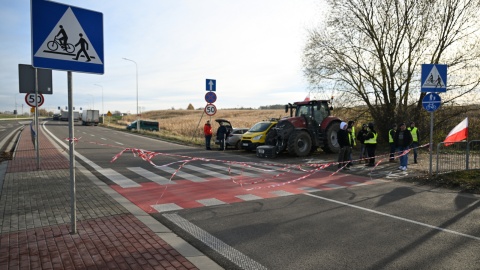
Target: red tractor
{"type": "Point", "coordinates": [310, 128]}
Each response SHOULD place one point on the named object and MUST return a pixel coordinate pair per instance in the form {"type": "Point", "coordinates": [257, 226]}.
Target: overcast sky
{"type": "Point", "coordinates": [252, 48]}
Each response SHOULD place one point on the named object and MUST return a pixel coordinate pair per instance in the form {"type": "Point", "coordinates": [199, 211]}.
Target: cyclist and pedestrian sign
{"type": "Point", "coordinates": [66, 37]}
{"type": "Point", "coordinates": [434, 78]}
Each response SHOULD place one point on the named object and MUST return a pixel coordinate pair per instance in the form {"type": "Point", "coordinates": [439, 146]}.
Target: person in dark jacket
{"type": "Point", "coordinates": [403, 139]}
{"type": "Point", "coordinates": [221, 136]}
{"type": "Point", "coordinates": [361, 138]}
{"type": "Point", "coordinates": [345, 146]}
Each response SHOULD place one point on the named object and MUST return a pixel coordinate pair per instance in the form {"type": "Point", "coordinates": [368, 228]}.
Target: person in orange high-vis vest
{"type": "Point", "coordinates": [207, 130]}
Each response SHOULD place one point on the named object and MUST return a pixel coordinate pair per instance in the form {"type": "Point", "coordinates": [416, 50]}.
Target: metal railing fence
{"type": "Point", "coordinates": [458, 156]}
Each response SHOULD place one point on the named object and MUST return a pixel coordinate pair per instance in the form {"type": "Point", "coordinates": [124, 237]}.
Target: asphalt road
{"type": "Point", "coordinates": [375, 222]}
{"type": "Point", "coordinates": [7, 131]}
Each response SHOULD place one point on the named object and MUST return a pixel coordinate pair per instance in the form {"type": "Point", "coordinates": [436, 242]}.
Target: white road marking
{"type": "Point", "coordinates": [208, 172]}
{"type": "Point", "coordinates": [119, 179]}
{"type": "Point", "coordinates": [241, 172]}
{"type": "Point", "coordinates": [395, 217]}
{"type": "Point", "coordinates": [210, 202]}
{"type": "Point", "coordinates": [186, 176]}
{"type": "Point", "coordinates": [151, 176]}
{"type": "Point", "coordinates": [166, 207]}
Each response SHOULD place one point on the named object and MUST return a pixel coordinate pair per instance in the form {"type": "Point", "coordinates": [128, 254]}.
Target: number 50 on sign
{"type": "Point", "coordinates": [210, 109]}
{"type": "Point", "coordinates": [30, 99]}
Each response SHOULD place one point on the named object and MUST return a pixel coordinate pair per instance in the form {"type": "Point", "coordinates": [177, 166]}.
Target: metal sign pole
{"type": "Point", "coordinates": [431, 143]}
{"type": "Point", "coordinates": [36, 120]}
{"type": "Point", "coordinates": [195, 130]}
{"type": "Point", "coordinates": [73, 197]}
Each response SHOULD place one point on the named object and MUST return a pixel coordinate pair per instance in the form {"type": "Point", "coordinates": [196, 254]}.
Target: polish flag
{"type": "Point", "coordinates": [458, 133]}
{"type": "Point", "coordinates": [307, 98]}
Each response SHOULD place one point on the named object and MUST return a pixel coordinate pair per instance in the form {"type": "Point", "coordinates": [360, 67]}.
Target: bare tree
{"type": "Point", "coordinates": [371, 51]}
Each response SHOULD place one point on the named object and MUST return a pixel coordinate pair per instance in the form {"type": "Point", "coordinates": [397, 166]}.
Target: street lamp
{"type": "Point", "coordinates": [136, 69]}
{"type": "Point", "coordinates": [102, 103]}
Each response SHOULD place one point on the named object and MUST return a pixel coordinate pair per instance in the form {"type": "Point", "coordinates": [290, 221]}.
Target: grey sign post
{"type": "Point", "coordinates": [48, 53]}
{"type": "Point", "coordinates": [34, 80]}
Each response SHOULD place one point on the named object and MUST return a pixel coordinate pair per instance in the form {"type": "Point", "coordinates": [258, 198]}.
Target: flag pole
{"type": "Point", "coordinates": [467, 159]}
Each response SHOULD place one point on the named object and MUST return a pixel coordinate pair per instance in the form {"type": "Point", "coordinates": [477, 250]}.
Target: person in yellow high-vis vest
{"type": "Point", "coordinates": [352, 138]}
{"type": "Point", "coordinates": [415, 136]}
{"type": "Point", "coordinates": [371, 144]}
{"type": "Point", "coordinates": [391, 136]}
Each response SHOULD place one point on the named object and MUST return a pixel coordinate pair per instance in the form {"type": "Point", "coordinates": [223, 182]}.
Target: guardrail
{"type": "Point", "coordinates": [458, 156]}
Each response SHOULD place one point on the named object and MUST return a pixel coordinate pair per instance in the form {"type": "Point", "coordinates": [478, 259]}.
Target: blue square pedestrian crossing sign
{"type": "Point", "coordinates": [434, 78]}
{"type": "Point", "coordinates": [66, 37]}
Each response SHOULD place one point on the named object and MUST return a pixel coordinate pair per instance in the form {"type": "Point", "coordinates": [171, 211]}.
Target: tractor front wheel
{"type": "Point", "coordinates": [300, 143]}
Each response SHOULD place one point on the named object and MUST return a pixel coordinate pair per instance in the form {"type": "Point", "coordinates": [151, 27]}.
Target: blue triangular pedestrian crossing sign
{"type": "Point", "coordinates": [66, 37]}
{"type": "Point", "coordinates": [434, 78]}
{"type": "Point", "coordinates": [78, 46]}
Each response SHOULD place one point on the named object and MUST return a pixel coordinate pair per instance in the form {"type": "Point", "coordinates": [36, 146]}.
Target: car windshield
{"type": "Point", "coordinates": [260, 127]}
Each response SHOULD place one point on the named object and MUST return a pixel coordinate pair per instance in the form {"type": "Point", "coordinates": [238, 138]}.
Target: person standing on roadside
{"type": "Point", "coordinates": [415, 136]}
{"type": "Point", "coordinates": [391, 136]}
{"type": "Point", "coordinates": [403, 140]}
{"type": "Point", "coordinates": [207, 130]}
{"type": "Point", "coordinates": [371, 144]}
{"type": "Point", "coordinates": [345, 147]}
{"type": "Point", "coordinates": [221, 136]}
{"type": "Point", "coordinates": [361, 138]}
{"type": "Point", "coordinates": [352, 139]}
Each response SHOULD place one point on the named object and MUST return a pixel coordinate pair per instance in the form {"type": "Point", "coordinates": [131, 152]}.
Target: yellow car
{"type": "Point", "coordinates": [256, 135]}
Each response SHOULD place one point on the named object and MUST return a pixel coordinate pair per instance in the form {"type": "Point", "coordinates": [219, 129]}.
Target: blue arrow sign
{"type": "Point", "coordinates": [211, 85]}
{"type": "Point", "coordinates": [434, 78]}
{"type": "Point", "coordinates": [431, 102]}
{"type": "Point", "coordinates": [66, 37]}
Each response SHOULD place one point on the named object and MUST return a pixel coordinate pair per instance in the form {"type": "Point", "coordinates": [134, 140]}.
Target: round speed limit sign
{"type": "Point", "coordinates": [30, 99]}
{"type": "Point", "coordinates": [210, 109]}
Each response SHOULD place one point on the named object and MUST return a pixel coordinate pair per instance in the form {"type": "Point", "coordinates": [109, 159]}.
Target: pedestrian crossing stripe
{"type": "Point", "coordinates": [434, 78]}
{"type": "Point", "coordinates": [75, 34]}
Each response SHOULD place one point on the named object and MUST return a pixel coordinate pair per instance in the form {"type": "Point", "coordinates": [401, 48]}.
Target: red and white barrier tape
{"type": "Point", "coordinates": [309, 169]}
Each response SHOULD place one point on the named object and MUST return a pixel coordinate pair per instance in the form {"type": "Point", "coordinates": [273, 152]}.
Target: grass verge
{"type": "Point", "coordinates": [465, 181]}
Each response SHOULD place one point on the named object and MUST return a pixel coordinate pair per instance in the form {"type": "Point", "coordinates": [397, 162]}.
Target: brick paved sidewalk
{"type": "Point", "coordinates": [35, 220]}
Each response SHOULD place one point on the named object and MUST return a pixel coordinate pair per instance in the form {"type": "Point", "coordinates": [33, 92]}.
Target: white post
{"type": "Point", "coordinates": [136, 70]}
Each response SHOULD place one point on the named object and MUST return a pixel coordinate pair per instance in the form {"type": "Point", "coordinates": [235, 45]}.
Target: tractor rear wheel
{"type": "Point", "coordinates": [300, 143]}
